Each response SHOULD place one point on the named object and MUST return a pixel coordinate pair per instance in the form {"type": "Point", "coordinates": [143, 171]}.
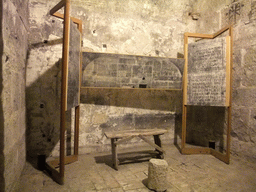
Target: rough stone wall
{"type": "Point", "coordinates": [208, 15]}
{"type": "Point", "coordinates": [244, 75]}
{"type": "Point", "coordinates": [134, 27]}
{"type": "Point", "coordinates": [145, 27]}
{"type": "Point", "coordinates": [2, 183]}
{"type": "Point", "coordinates": [153, 28]}
{"type": "Point", "coordinates": [14, 16]}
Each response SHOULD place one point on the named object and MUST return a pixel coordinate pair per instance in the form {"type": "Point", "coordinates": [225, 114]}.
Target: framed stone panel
{"type": "Point", "coordinates": [207, 72]}
{"type": "Point", "coordinates": [131, 71]}
{"type": "Point", "coordinates": [73, 82]}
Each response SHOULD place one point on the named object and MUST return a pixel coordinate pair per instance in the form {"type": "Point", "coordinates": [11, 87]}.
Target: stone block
{"type": "Point", "coordinates": [249, 67]}
{"type": "Point", "coordinates": [240, 123]}
{"type": "Point", "coordinates": [99, 118]}
{"type": "Point", "coordinates": [157, 175]}
{"type": "Point", "coordinates": [252, 125]}
{"type": "Point", "coordinates": [244, 97]}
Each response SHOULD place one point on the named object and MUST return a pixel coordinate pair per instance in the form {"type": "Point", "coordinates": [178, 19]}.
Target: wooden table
{"type": "Point", "coordinates": [118, 137]}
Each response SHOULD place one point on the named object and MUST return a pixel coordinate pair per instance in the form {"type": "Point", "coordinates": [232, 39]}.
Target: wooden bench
{"type": "Point", "coordinates": [118, 137]}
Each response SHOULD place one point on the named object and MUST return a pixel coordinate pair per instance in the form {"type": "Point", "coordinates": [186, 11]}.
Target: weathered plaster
{"type": "Point", "coordinates": [14, 33]}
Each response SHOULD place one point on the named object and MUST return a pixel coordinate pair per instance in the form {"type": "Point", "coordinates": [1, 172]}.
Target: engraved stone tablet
{"type": "Point", "coordinates": [131, 71]}
{"type": "Point", "coordinates": [207, 72]}
{"type": "Point", "coordinates": [73, 67]}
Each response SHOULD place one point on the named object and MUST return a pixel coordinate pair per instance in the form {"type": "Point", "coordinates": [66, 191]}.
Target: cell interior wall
{"type": "Point", "coordinates": [147, 28]}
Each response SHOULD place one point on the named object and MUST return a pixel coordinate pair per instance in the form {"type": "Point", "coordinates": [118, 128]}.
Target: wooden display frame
{"type": "Point", "coordinates": [204, 150]}
{"type": "Point", "coordinates": [60, 162]}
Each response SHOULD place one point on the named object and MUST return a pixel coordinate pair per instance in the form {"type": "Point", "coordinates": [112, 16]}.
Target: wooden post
{"type": "Point", "coordinates": [114, 153]}
{"type": "Point", "coordinates": [157, 140]}
{"type": "Point", "coordinates": [230, 95]}
{"type": "Point", "coordinates": [76, 135]}
{"type": "Point", "coordinates": [57, 7]}
{"type": "Point", "coordinates": [184, 127]}
{"type": "Point", "coordinates": [64, 87]}
{"type": "Point", "coordinates": [62, 160]}
{"type": "Point", "coordinates": [158, 143]}
{"type": "Point", "coordinates": [185, 86]}
{"type": "Point", "coordinates": [77, 108]}
{"type": "Point", "coordinates": [228, 77]}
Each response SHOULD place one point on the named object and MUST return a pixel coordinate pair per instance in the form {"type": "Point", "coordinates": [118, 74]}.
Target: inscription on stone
{"type": "Point", "coordinates": [131, 71]}
{"type": "Point", "coordinates": [73, 67]}
{"type": "Point", "coordinates": [207, 72]}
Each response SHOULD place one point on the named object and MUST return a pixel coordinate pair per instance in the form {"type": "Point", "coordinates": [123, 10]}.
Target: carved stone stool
{"type": "Point", "coordinates": [157, 173]}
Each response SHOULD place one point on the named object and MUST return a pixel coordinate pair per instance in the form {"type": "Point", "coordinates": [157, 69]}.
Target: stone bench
{"type": "Point", "coordinates": [118, 137]}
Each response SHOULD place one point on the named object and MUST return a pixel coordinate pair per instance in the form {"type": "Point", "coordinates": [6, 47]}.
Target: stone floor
{"type": "Point", "coordinates": [185, 173]}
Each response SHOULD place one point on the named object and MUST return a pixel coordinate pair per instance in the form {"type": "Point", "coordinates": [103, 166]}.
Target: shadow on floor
{"type": "Point", "coordinates": [128, 157]}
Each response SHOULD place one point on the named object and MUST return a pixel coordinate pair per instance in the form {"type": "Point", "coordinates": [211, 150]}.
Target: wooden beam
{"type": "Point", "coordinates": [128, 133]}
{"type": "Point", "coordinates": [220, 156]}
{"type": "Point", "coordinates": [228, 72]}
{"type": "Point", "coordinates": [68, 159]}
{"type": "Point", "coordinates": [199, 35]}
{"type": "Point", "coordinates": [200, 150]}
{"type": "Point", "coordinates": [85, 50]}
{"type": "Point", "coordinates": [58, 6]}
{"type": "Point", "coordinates": [124, 139]}
{"type": "Point", "coordinates": [76, 135]}
{"type": "Point", "coordinates": [185, 86]}
{"type": "Point", "coordinates": [127, 88]}
{"type": "Point", "coordinates": [55, 175]}
{"type": "Point", "coordinates": [221, 31]}
{"type": "Point", "coordinates": [151, 143]}
{"type": "Point", "coordinates": [75, 20]}
{"type": "Point", "coordinates": [114, 153]}
{"type": "Point", "coordinates": [64, 86]}
{"type": "Point", "coordinates": [58, 15]}
{"type": "Point", "coordinates": [230, 94]}
{"type": "Point", "coordinates": [184, 127]}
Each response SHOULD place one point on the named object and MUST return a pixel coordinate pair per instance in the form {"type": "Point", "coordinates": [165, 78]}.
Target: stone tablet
{"type": "Point", "coordinates": [73, 67]}
{"type": "Point", "coordinates": [131, 71]}
{"type": "Point", "coordinates": [207, 72]}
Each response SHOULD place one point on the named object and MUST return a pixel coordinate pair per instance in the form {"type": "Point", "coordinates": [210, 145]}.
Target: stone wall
{"type": "Point", "coordinates": [14, 29]}
{"type": "Point", "coordinates": [244, 75]}
{"type": "Point", "coordinates": [2, 181]}
{"type": "Point", "coordinates": [208, 14]}
{"type": "Point", "coordinates": [150, 28]}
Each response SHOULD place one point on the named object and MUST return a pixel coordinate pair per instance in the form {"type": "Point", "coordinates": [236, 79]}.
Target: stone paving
{"type": "Point", "coordinates": [186, 173]}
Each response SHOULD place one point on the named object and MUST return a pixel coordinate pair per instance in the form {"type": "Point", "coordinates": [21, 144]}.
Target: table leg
{"type": "Point", "coordinates": [158, 142]}
{"type": "Point", "coordinates": [114, 153]}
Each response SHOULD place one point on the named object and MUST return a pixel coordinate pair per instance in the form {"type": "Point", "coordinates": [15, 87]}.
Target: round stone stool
{"type": "Point", "coordinates": [157, 173]}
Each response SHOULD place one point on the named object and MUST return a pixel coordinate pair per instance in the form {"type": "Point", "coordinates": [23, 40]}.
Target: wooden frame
{"type": "Point", "coordinates": [60, 162]}
{"type": "Point", "coordinates": [204, 150]}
